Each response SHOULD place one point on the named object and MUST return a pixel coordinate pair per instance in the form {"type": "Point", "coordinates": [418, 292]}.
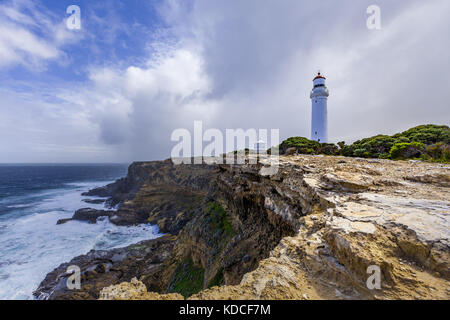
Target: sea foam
{"type": "Point", "coordinates": [32, 244]}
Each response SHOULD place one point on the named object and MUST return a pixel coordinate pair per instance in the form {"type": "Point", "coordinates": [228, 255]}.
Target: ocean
{"type": "Point", "coordinates": [32, 199]}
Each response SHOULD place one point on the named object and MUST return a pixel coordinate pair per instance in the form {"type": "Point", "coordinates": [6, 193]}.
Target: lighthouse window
{"type": "Point", "coordinates": [319, 85]}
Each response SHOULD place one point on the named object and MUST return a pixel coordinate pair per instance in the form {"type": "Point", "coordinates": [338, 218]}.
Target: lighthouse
{"type": "Point", "coordinates": [319, 123]}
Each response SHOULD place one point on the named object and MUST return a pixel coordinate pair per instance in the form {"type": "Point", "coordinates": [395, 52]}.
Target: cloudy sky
{"type": "Point", "coordinates": [115, 90]}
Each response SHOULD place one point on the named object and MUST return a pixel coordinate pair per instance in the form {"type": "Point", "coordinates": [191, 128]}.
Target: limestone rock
{"type": "Point", "coordinates": [440, 179]}
{"type": "Point", "coordinates": [134, 290]}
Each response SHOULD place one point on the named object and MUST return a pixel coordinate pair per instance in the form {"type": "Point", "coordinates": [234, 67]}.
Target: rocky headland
{"type": "Point", "coordinates": [310, 231]}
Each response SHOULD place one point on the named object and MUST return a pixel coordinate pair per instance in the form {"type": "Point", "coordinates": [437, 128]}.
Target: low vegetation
{"type": "Point", "coordinates": [219, 221]}
{"type": "Point", "coordinates": [425, 142]}
{"type": "Point", "coordinates": [218, 279]}
{"type": "Point", "coordinates": [187, 279]}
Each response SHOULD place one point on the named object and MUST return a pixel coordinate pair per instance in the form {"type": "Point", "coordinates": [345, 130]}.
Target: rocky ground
{"type": "Point", "coordinates": [310, 231]}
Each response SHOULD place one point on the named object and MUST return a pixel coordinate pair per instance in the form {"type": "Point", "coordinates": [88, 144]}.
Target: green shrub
{"type": "Point", "coordinates": [427, 134]}
{"type": "Point", "coordinates": [329, 149]}
{"type": "Point", "coordinates": [359, 152]}
{"type": "Point", "coordinates": [346, 151]}
{"type": "Point", "coordinates": [406, 150]}
{"type": "Point", "coordinates": [373, 146]}
{"type": "Point", "coordinates": [187, 279]}
{"type": "Point", "coordinates": [303, 145]}
{"type": "Point", "coordinates": [446, 154]}
{"type": "Point", "coordinates": [401, 139]}
{"type": "Point", "coordinates": [218, 279]}
{"type": "Point", "coordinates": [219, 220]}
{"type": "Point", "coordinates": [380, 146]}
{"type": "Point", "coordinates": [437, 152]}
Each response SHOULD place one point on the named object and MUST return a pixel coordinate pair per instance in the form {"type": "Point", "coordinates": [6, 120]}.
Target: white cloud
{"type": "Point", "coordinates": [178, 73]}
{"type": "Point", "coordinates": [31, 36]}
{"type": "Point", "coordinates": [18, 45]}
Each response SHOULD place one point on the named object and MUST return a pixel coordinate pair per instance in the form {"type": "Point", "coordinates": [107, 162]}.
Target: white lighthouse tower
{"type": "Point", "coordinates": [319, 122]}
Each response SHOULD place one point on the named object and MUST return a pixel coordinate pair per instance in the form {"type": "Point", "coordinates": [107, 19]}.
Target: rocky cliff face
{"type": "Point", "coordinates": [311, 231]}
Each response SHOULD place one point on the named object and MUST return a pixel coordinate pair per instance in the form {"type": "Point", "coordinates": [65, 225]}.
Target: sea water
{"type": "Point", "coordinates": [32, 199]}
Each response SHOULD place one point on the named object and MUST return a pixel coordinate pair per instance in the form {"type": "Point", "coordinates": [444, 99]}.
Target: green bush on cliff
{"type": "Point", "coordinates": [380, 146]}
{"type": "Point", "coordinates": [406, 150]}
{"type": "Point", "coordinates": [430, 142]}
{"type": "Point", "coordinates": [438, 152]}
{"type": "Point", "coordinates": [329, 149]}
{"type": "Point", "coordinates": [187, 279]}
{"type": "Point", "coordinates": [360, 153]}
{"type": "Point", "coordinates": [218, 279]}
{"type": "Point", "coordinates": [303, 145]}
{"type": "Point", "coordinates": [372, 147]}
{"type": "Point", "coordinates": [427, 134]}
{"type": "Point", "coordinates": [218, 217]}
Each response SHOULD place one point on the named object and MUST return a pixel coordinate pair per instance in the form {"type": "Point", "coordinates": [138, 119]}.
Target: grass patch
{"type": "Point", "coordinates": [187, 279]}
{"type": "Point", "coordinates": [218, 279]}
{"type": "Point", "coordinates": [219, 219]}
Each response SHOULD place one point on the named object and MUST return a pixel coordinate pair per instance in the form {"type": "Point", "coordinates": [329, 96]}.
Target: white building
{"type": "Point", "coordinates": [319, 121]}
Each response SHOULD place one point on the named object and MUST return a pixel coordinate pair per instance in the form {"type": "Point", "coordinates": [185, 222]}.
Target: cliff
{"type": "Point", "coordinates": [308, 232]}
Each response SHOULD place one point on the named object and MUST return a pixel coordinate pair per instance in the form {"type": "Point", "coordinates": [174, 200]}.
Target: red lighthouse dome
{"type": "Point", "coordinates": [319, 76]}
